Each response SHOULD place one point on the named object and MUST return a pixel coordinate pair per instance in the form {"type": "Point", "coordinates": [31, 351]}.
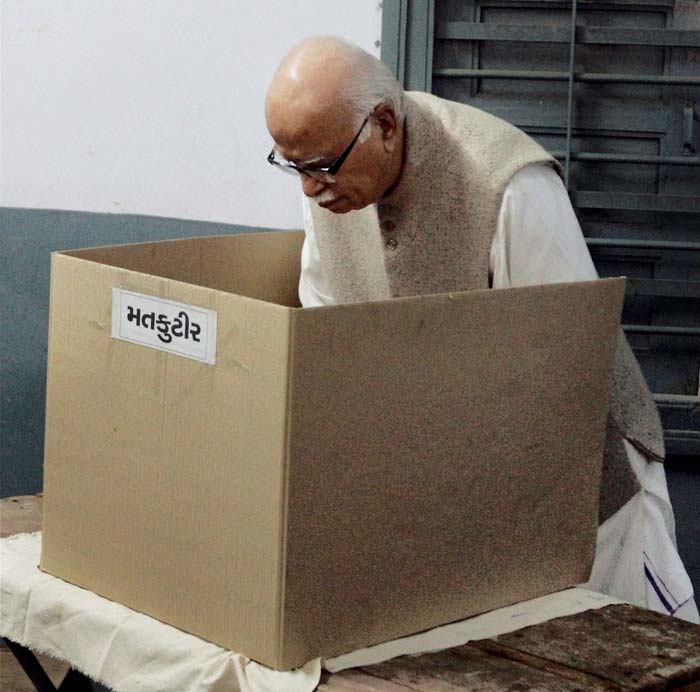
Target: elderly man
{"type": "Point", "coordinates": [406, 193]}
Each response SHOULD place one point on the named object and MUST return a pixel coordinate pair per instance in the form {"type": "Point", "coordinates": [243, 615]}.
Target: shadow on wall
{"type": "Point", "coordinates": [27, 238]}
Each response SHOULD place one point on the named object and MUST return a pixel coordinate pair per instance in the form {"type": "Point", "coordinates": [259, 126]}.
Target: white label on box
{"type": "Point", "coordinates": [166, 325]}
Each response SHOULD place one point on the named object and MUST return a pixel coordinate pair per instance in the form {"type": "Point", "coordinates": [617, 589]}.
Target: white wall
{"type": "Point", "coordinates": [154, 106]}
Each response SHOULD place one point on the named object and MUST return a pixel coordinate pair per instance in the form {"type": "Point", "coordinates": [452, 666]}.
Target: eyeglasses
{"type": "Point", "coordinates": [325, 174]}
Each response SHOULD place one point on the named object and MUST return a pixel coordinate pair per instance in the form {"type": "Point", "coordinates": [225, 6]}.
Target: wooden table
{"type": "Point", "coordinates": [617, 648]}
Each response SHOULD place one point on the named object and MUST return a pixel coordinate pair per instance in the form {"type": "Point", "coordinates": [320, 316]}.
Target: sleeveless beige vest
{"type": "Point", "coordinates": [433, 234]}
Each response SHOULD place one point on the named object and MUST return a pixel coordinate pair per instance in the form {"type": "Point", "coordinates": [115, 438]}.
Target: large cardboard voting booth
{"type": "Point", "coordinates": [291, 483]}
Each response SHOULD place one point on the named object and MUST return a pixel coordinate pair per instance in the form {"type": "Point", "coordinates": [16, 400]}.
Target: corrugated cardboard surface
{"type": "Point", "coordinates": [342, 475]}
{"type": "Point", "coordinates": [264, 266]}
{"type": "Point", "coordinates": [456, 442]}
{"type": "Point", "coordinates": [163, 475]}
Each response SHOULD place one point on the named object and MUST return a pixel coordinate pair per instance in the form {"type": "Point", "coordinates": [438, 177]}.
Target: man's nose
{"type": "Point", "coordinates": [311, 186]}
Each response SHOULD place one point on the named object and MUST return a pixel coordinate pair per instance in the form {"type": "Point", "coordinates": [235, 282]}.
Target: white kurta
{"type": "Point", "coordinates": [538, 240]}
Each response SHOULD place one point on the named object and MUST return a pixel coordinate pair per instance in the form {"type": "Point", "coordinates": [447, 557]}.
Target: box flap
{"type": "Point", "coordinates": [164, 475]}
{"type": "Point", "coordinates": [456, 441]}
{"type": "Point", "coordinates": [230, 263]}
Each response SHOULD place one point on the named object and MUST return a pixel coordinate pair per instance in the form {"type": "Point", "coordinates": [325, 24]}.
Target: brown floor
{"type": "Point", "coordinates": [17, 516]}
{"type": "Point", "coordinates": [14, 679]}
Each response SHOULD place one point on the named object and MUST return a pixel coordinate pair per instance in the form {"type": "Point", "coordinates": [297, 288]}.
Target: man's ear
{"type": "Point", "coordinates": [385, 117]}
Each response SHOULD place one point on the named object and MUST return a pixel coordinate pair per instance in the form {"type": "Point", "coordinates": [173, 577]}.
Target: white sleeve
{"type": "Point", "coordinates": [538, 239]}
{"type": "Point", "coordinates": [313, 289]}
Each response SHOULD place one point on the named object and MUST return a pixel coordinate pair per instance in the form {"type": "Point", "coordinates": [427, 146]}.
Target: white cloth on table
{"type": "Point", "coordinates": [110, 643]}
{"type": "Point", "coordinates": [538, 240]}
{"type": "Point", "coordinates": [131, 652]}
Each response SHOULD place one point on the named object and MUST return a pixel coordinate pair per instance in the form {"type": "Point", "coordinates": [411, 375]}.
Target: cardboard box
{"type": "Point", "coordinates": [291, 482]}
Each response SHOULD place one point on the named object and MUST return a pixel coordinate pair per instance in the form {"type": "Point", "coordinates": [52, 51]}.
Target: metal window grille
{"type": "Point", "coordinates": [420, 35]}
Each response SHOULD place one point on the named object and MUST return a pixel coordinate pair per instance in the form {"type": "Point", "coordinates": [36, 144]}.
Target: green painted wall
{"type": "Point", "coordinates": [27, 238]}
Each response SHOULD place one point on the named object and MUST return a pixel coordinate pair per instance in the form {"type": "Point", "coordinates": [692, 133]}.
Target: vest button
{"type": "Point", "coordinates": [384, 209]}
{"type": "Point", "coordinates": [392, 244]}
{"type": "Point", "coordinates": [388, 226]}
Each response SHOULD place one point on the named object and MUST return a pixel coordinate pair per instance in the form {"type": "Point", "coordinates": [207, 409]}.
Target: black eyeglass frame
{"type": "Point", "coordinates": [331, 170]}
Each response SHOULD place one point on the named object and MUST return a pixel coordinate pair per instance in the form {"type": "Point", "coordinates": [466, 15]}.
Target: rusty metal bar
{"type": "Point", "coordinates": [643, 244]}
{"type": "Point", "coordinates": [479, 31]}
{"type": "Point", "coordinates": [595, 35]}
{"type": "Point", "coordinates": [676, 38]}
{"type": "Point", "coordinates": [630, 158]}
{"type": "Point", "coordinates": [554, 76]}
{"type": "Point", "coordinates": [589, 199]}
{"type": "Point", "coordinates": [570, 92]}
{"type": "Point", "coordinates": [663, 288]}
{"type": "Point", "coordinates": [668, 331]}
{"type": "Point", "coordinates": [676, 399]}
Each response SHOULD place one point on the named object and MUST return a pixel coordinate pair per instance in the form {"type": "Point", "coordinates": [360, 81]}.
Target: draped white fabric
{"type": "Point", "coordinates": [131, 652]}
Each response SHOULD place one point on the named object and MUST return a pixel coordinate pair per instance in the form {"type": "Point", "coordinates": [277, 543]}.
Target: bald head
{"type": "Point", "coordinates": [326, 78]}
{"type": "Point", "coordinates": [321, 94]}
{"type": "Point", "coordinates": [309, 82]}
